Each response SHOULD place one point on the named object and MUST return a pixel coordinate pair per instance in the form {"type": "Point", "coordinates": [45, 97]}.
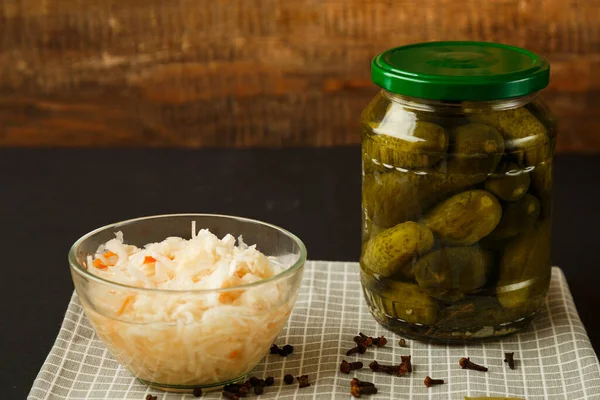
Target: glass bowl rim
{"type": "Point", "coordinates": [81, 270]}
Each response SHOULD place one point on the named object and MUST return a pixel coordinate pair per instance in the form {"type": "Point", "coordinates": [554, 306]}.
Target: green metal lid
{"type": "Point", "coordinates": [460, 71]}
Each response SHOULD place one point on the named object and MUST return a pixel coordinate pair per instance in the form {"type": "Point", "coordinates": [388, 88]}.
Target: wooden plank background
{"type": "Point", "coordinates": [196, 73]}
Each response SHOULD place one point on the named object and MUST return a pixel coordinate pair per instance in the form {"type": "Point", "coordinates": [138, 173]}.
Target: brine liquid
{"type": "Point", "coordinates": [519, 269]}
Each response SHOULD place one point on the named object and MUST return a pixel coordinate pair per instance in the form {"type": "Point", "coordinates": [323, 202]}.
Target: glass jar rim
{"type": "Point", "coordinates": [436, 105]}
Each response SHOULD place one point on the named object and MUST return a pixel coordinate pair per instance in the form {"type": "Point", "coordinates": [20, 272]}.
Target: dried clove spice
{"type": "Point", "coordinates": [404, 368]}
{"type": "Point", "coordinates": [274, 349]}
{"type": "Point", "coordinates": [509, 358]}
{"type": "Point", "coordinates": [236, 390]}
{"type": "Point", "coordinates": [346, 367]}
{"type": "Point", "coordinates": [259, 389]}
{"type": "Point", "coordinates": [360, 348]}
{"type": "Point", "coordinates": [303, 381]}
{"type": "Point", "coordinates": [368, 390]}
{"type": "Point", "coordinates": [430, 382]}
{"type": "Point", "coordinates": [406, 361]}
{"type": "Point", "coordinates": [358, 388]}
{"type": "Point", "coordinates": [287, 350]}
{"type": "Point", "coordinates": [388, 369]}
{"type": "Point", "coordinates": [355, 388]}
{"type": "Point", "coordinates": [230, 396]}
{"type": "Point", "coordinates": [197, 392]}
{"type": "Point", "coordinates": [283, 352]}
{"type": "Point", "coordinates": [402, 343]}
{"type": "Point", "coordinates": [380, 341]}
{"type": "Point", "coordinates": [254, 381]}
{"type": "Point", "coordinates": [231, 388]}
{"type": "Point", "coordinates": [368, 341]}
{"type": "Point", "coordinates": [363, 341]}
{"type": "Point", "coordinates": [466, 363]}
{"type": "Point", "coordinates": [243, 391]}
{"type": "Point", "coordinates": [288, 379]}
{"type": "Point", "coordinates": [356, 365]}
{"type": "Point", "coordinates": [248, 384]}
{"type": "Point", "coordinates": [269, 381]}
{"type": "Point", "coordinates": [365, 384]}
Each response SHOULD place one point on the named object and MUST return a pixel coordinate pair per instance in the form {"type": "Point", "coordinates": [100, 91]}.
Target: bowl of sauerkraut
{"type": "Point", "coordinates": [188, 301]}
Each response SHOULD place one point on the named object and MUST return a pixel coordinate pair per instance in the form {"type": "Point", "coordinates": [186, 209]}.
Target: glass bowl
{"type": "Point", "coordinates": [201, 346]}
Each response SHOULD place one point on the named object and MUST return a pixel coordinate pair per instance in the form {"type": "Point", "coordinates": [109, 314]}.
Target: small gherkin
{"type": "Point", "coordinates": [517, 217]}
{"type": "Point", "coordinates": [391, 198]}
{"type": "Point", "coordinates": [392, 251]}
{"type": "Point", "coordinates": [480, 311]}
{"type": "Point", "coordinates": [512, 186]}
{"type": "Point", "coordinates": [401, 300]}
{"type": "Point", "coordinates": [475, 148]}
{"type": "Point", "coordinates": [451, 272]}
{"type": "Point", "coordinates": [419, 146]}
{"type": "Point", "coordinates": [522, 131]}
{"type": "Point", "coordinates": [394, 197]}
{"type": "Point", "coordinates": [542, 183]}
{"type": "Point", "coordinates": [525, 267]}
{"type": "Point", "coordinates": [465, 218]}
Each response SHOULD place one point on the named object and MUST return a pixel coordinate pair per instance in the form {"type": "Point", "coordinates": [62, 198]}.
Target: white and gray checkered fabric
{"type": "Point", "coordinates": [555, 357]}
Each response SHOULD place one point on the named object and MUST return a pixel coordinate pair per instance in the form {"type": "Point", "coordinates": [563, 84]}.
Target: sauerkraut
{"type": "Point", "coordinates": [169, 332]}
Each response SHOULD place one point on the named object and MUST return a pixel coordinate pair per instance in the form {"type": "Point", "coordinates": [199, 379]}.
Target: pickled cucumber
{"type": "Point", "coordinates": [392, 250]}
{"type": "Point", "coordinates": [525, 267]}
{"type": "Point", "coordinates": [393, 197]}
{"type": "Point", "coordinates": [516, 217]}
{"type": "Point", "coordinates": [542, 182]}
{"type": "Point", "coordinates": [416, 146]}
{"type": "Point", "coordinates": [475, 148]}
{"type": "Point", "coordinates": [465, 218]}
{"type": "Point", "coordinates": [451, 272]}
{"type": "Point", "coordinates": [522, 131]}
{"type": "Point", "coordinates": [449, 179]}
{"type": "Point", "coordinates": [401, 300]}
{"type": "Point", "coordinates": [370, 229]}
{"type": "Point", "coordinates": [512, 186]}
{"type": "Point", "coordinates": [477, 312]}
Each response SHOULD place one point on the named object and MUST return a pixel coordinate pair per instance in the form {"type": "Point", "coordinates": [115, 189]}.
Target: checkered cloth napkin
{"type": "Point", "coordinates": [555, 359]}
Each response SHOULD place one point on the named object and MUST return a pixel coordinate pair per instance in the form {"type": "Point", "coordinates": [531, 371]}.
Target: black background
{"type": "Point", "coordinates": [51, 197]}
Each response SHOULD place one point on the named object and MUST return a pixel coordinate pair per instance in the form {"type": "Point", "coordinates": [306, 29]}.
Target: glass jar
{"type": "Point", "coordinates": [457, 190]}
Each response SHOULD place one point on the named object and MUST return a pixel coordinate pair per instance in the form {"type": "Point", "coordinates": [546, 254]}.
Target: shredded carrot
{"type": "Point", "coordinates": [124, 305]}
{"type": "Point", "coordinates": [230, 297]}
{"type": "Point", "coordinates": [99, 264]}
{"type": "Point", "coordinates": [148, 260]}
{"type": "Point", "coordinates": [109, 254]}
{"type": "Point", "coordinates": [171, 257]}
{"type": "Point", "coordinates": [233, 354]}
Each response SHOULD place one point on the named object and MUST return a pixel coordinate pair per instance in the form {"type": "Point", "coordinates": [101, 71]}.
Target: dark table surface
{"type": "Point", "coordinates": [50, 197]}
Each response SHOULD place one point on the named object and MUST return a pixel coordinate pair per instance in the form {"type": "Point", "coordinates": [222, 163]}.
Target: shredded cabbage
{"type": "Point", "coordinates": [183, 337]}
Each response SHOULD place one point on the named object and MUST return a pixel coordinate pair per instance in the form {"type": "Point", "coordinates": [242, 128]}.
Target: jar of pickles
{"type": "Point", "coordinates": [457, 153]}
